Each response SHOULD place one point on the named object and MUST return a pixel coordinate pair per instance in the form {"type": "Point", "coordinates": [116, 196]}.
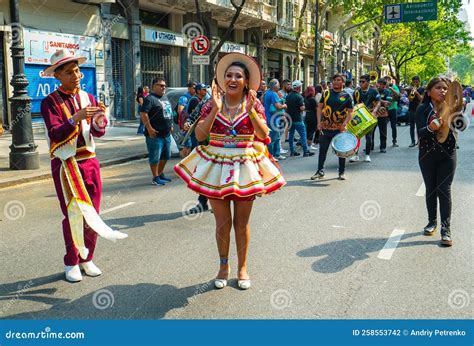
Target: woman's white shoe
{"type": "Point", "coordinates": [220, 283]}
{"type": "Point", "coordinates": [244, 284]}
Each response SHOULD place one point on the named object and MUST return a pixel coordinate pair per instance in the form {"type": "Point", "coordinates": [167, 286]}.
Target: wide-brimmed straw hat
{"type": "Point", "coordinates": [255, 74]}
{"type": "Point", "coordinates": [61, 57]}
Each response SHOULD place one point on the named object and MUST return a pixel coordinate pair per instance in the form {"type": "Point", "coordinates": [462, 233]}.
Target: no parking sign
{"type": "Point", "coordinates": [200, 45]}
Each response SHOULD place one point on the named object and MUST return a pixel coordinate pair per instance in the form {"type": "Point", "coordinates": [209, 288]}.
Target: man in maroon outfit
{"type": "Point", "coordinates": [64, 111]}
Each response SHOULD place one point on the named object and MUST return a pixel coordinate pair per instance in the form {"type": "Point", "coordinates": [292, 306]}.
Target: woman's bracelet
{"type": "Point", "coordinates": [253, 114]}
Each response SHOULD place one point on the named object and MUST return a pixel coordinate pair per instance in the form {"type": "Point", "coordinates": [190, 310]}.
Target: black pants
{"type": "Point", "coordinates": [372, 145]}
{"type": "Point", "coordinates": [202, 200]}
{"type": "Point", "coordinates": [438, 170]}
{"type": "Point", "coordinates": [392, 114]}
{"type": "Point", "coordinates": [411, 118]}
{"type": "Point", "coordinates": [325, 139]}
{"type": "Point", "coordinates": [369, 139]}
{"type": "Point", "coordinates": [310, 122]}
{"type": "Point", "coordinates": [382, 123]}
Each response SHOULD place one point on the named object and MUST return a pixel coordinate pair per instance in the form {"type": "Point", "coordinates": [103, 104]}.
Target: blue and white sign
{"type": "Point", "coordinates": [164, 37]}
{"type": "Point", "coordinates": [41, 86]}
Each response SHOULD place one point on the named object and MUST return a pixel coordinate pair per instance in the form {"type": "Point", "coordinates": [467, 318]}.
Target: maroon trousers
{"type": "Point", "coordinates": [90, 171]}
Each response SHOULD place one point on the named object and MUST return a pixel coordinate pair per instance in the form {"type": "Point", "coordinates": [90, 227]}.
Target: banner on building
{"type": "Point", "coordinates": [39, 46]}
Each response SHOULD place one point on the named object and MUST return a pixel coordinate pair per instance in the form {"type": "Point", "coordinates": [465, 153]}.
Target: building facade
{"type": "Point", "coordinates": [130, 42]}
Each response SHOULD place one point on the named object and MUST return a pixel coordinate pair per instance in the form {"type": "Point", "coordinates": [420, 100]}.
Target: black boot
{"type": "Point", "coordinates": [430, 228]}
{"type": "Point", "coordinates": [446, 234]}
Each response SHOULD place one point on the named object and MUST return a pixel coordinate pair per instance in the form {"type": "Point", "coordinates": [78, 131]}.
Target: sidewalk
{"type": "Point", "coordinates": [120, 144]}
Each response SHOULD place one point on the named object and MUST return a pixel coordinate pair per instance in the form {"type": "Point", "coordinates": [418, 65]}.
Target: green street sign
{"type": "Point", "coordinates": [411, 12]}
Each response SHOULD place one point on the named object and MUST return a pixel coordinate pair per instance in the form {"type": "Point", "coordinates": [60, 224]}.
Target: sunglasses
{"type": "Point", "coordinates": [362, 81]}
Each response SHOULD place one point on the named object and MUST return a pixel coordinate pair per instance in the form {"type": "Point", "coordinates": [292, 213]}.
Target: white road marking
{"type": "Point", "coordinates": [421, 190]}
{"type": "Point", "coordinates": [116, 208]}
{"type": "Point", "coordinates": [391, 244]}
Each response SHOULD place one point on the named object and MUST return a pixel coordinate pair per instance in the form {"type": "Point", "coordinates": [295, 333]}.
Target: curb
{"type": "Point", "coordinates": [44, 176]}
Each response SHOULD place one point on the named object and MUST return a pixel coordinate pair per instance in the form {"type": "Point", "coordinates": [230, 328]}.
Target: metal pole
{"type": "Point", "coordinates": [339, 55]}
{"type": "Point", "coordinates": [316, 44]}
{"type": "Point", "coordinates": [23, 153]}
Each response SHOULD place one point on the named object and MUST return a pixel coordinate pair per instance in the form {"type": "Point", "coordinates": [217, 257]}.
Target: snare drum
{"type": "Point", "coordinates": [345, 144]}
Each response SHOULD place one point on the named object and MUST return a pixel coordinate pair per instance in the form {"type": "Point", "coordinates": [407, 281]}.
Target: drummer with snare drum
{"type": "Point", "coordinates": [333, 113]}
{"type": "Point", "coordinates": [371, 98]}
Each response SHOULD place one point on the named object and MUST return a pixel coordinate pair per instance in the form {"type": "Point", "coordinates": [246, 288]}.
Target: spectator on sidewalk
{"type": "Point", "coordinates": [295, 104]}
{"type": "Point", "coordinates": [310, 120]}
{"type": "Point", "coordinates": [140, 97]}
{"type": "Point", "coordinates": [274, 111]}
{"type": "Point", "coordinates": [285, 90]}
{"type": "Point", "coordinates": [72, 118]}
{"type": "Point", "coordinates": [157, 115]}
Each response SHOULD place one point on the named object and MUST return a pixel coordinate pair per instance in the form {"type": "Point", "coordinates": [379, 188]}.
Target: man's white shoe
{"type": "Point", "coordinates": [73, 273]}
{"type": "Point", "coordinates": [283, 151]}
{"type": "Point", "coordinates": [354, 158]}
{"type": "Point", "coordinates": [91, 269]}
{"type": "Point", "coordinates": [367, 158]}
{"type": "Point", "coordinates": [313, 147]}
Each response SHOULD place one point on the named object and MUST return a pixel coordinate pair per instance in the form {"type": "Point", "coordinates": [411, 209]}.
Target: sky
{"type": "Point", "coordinates": [469, 6]}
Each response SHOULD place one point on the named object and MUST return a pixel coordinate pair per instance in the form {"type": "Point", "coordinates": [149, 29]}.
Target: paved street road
{"type": "Point", "coordinates": [318, 249]}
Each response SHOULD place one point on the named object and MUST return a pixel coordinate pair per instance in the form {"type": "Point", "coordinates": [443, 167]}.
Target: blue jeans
{"type": "Point", "coordinates": [301, 129]}
{"type": "Point", "coordinates": [159, 148]}
{"type": "Point", "coordinates": [274, 147]}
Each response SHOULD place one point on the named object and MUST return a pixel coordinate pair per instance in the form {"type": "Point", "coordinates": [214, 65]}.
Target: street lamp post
{"type": "Point", "coordinates": [23, 153]}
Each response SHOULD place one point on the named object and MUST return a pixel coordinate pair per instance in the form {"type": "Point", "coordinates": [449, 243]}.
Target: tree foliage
{"type": "Point", "coordinates": [463, 65]}
{"type": "Point", "coordinates": [420, 45]}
